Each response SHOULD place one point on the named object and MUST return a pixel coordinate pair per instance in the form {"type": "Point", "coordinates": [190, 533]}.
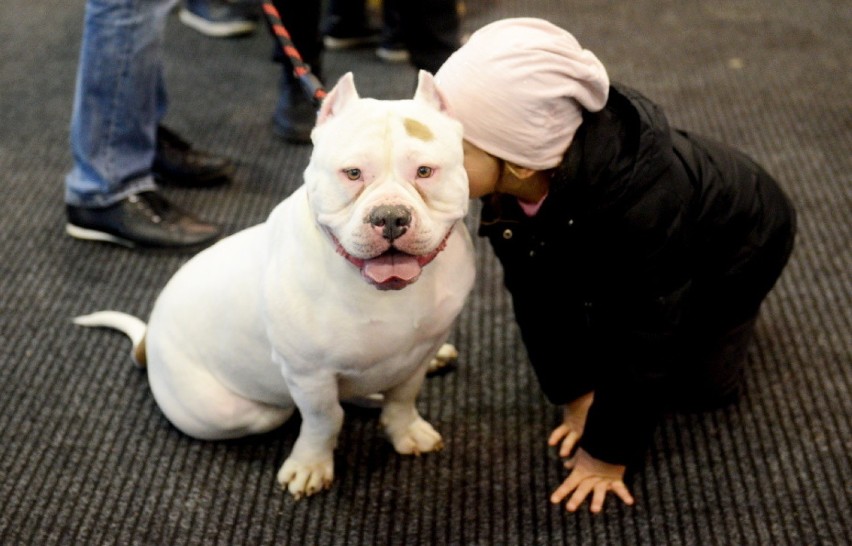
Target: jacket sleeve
{"type": "Point", "coordinates": [553, 334]}
{"type": "Point", "coordinates": [638, 331]}
{"type": "Point", "coordinates": [637, 315]}
{"type": "Point", "coordinates": [621, 422]}
{"type": "Point", "coordinates": [625, 369]}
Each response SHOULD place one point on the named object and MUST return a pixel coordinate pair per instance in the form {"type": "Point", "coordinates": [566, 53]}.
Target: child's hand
{"type": "Point", "coordinates": [573, 422]}
{"type": "Point", "coordinates": [590, 475]}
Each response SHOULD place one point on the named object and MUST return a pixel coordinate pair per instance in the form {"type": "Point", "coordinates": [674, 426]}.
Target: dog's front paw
{"type": "Point", "coordinates": [418, 437]}
{"type": "Point", "coordinates": [303, 479]}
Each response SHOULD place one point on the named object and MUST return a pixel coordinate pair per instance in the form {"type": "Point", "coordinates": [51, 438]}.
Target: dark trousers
{"type": "Point", "coordinates": [721, 326]}
{"type": "Point", "coordinates": [429, 28]}
{"type": "Point", "coordinates": [301, 18]}
{"type": "Point", "coordinates": [711, 371]}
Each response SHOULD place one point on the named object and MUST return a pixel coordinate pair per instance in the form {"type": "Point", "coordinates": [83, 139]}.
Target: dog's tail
{"type": "Point", "coordinates": [129, 325]}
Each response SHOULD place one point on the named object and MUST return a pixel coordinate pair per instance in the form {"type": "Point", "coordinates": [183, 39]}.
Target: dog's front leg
{"type": "Point", "coordinates": [310, 466]}
{"type": "Point", "coordinates": [409, 433]}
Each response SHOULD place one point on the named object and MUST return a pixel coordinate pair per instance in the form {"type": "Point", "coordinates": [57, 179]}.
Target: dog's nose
{"type": "Point", "coordinates": [393, 219]}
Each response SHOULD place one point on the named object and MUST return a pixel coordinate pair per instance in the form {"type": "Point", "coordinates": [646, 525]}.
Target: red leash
{"type": "Point", "coordinates": [311, 85]}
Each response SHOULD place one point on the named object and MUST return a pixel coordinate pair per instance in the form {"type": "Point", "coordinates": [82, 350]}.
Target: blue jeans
{"type": "Point", "coordinates": [119, 100]}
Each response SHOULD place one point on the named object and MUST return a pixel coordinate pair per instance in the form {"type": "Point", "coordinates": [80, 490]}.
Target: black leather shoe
{"type": "Point", "coordinates": [145, 219]}
{"type": "Point", "coordinates": [177, 163]}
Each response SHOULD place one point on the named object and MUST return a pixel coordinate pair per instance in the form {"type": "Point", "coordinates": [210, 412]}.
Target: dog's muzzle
{"type": "Point", "coordinates": [392, 269]}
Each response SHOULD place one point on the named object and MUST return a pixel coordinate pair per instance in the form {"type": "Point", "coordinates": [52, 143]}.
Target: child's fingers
{"type": "Point", "coordinates": [621, 490]}
{"type": "Point", "coordinates": [599, 496]}
{"type": "Point", "coordinates": [568, 444]}
{"type": "Point", "coordinates": [580, 494]}
{"type": "Point", "coordinates": [571, 463]}
{"type": "Point", "coordinates": [558, 433]}
{"type": "Point", "coordinates": [565, 434]}
{"type": "Point", "coordinates": [563, 490]}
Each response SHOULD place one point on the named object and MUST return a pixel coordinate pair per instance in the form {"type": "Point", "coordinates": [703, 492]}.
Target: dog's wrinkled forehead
{"type": "Point", "coordinates": [371, 121]}
{"type": "Point", "coordinates": [425, 117]}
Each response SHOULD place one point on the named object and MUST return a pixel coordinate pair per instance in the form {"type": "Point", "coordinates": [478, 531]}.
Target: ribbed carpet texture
{"type": "Point", "coordinates": [86, 457]}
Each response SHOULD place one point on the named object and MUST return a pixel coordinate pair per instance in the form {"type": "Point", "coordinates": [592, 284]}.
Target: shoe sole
{"type": "Point", "coordinates": [85, 234]}
{"type": "Point", "coordinates": [392, 56]}
{"type": "Point", "coordinates": [330, 42]}
{"type": "Point", "coordinates": [215, 30]}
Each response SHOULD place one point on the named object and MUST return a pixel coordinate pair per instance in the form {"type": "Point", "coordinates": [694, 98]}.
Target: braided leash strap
{"type": "Point", "coordinates": [311, 85]}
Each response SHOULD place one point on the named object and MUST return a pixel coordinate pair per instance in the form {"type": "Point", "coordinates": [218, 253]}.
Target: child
{"type": "Point", "coordinates": [637, 255]}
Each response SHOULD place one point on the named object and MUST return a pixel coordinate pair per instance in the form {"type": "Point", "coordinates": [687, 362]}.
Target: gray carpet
{"type": "Point", "coordinates": [87, 458]}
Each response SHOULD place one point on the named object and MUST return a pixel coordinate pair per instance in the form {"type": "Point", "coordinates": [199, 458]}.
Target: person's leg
{"type": "Point", "coordinates": [723, 311]}
{"type": "Point", "coordinates": [220, 18]}
{"type": "Point", "coordinates": [350, 12]}
{"type": "Point", "coordinates": [120, 98]}
{"type": "Point", "coordinates": [117, 104]}
{"type": "Point", "coordinates": [392, 47]}
{"type": "Point", "coordinates": [722, 322]}
{"type": "Point", "coordinates": [295, 114]}
{"type": "Point", "coordinates": [431, 30]}
{"type": "Point", "coordinates": [712, 376]}
{"type": "Point", "coordinates": [347, 25]}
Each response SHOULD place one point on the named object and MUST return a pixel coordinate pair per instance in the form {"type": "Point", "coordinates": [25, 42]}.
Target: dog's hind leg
{"type": "Point", "coordinates": [199, 405]}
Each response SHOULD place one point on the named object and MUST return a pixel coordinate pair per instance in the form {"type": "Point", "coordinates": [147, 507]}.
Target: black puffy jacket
{"type": "Point", "coordinates": [646, 233]}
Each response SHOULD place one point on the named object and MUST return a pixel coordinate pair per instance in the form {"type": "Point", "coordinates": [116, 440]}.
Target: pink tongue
{"type": "Point", "coordinates": [390, 266]}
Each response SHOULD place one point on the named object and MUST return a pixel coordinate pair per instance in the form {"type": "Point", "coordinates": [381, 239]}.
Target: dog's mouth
{"type": "Point", "coordinates": [392, 269]}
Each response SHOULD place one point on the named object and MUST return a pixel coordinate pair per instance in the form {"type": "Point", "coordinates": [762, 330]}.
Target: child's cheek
{"type": "Point", "coordinates": [482, 176]}
{"type": "Point", "coordinates": [480, 182]}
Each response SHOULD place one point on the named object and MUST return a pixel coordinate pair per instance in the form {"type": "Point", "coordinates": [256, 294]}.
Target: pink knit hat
{"type": "Point", "coordinates": [518, 86]}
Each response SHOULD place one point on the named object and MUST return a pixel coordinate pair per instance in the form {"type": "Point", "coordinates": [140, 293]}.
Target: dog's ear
{"type": "Point", "coordinates": [341, 94]}
{"type": "Point", "coordinates": [429, 93]}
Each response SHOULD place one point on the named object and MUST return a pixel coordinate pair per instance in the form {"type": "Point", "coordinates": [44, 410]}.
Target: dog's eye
{"type": "Point", "coordinates": [424, 172]}
{"type": "Point", "coordinates": [352, 174]}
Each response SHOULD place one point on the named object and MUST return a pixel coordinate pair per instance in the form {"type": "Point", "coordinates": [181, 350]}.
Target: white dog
{"type": "Point", "coordinates": [348, 289]}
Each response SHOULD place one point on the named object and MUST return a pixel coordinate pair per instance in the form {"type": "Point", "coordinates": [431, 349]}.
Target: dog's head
{"type": "Point", "coordinates": [386, 180]}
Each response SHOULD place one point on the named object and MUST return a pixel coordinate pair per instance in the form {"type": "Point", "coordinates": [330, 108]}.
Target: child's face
{"type": "Point", "coordinates": [483, 170]}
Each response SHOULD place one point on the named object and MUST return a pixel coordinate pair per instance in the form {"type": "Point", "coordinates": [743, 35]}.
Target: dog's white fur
{"type": "Point", "coordinates": [300, 312]}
